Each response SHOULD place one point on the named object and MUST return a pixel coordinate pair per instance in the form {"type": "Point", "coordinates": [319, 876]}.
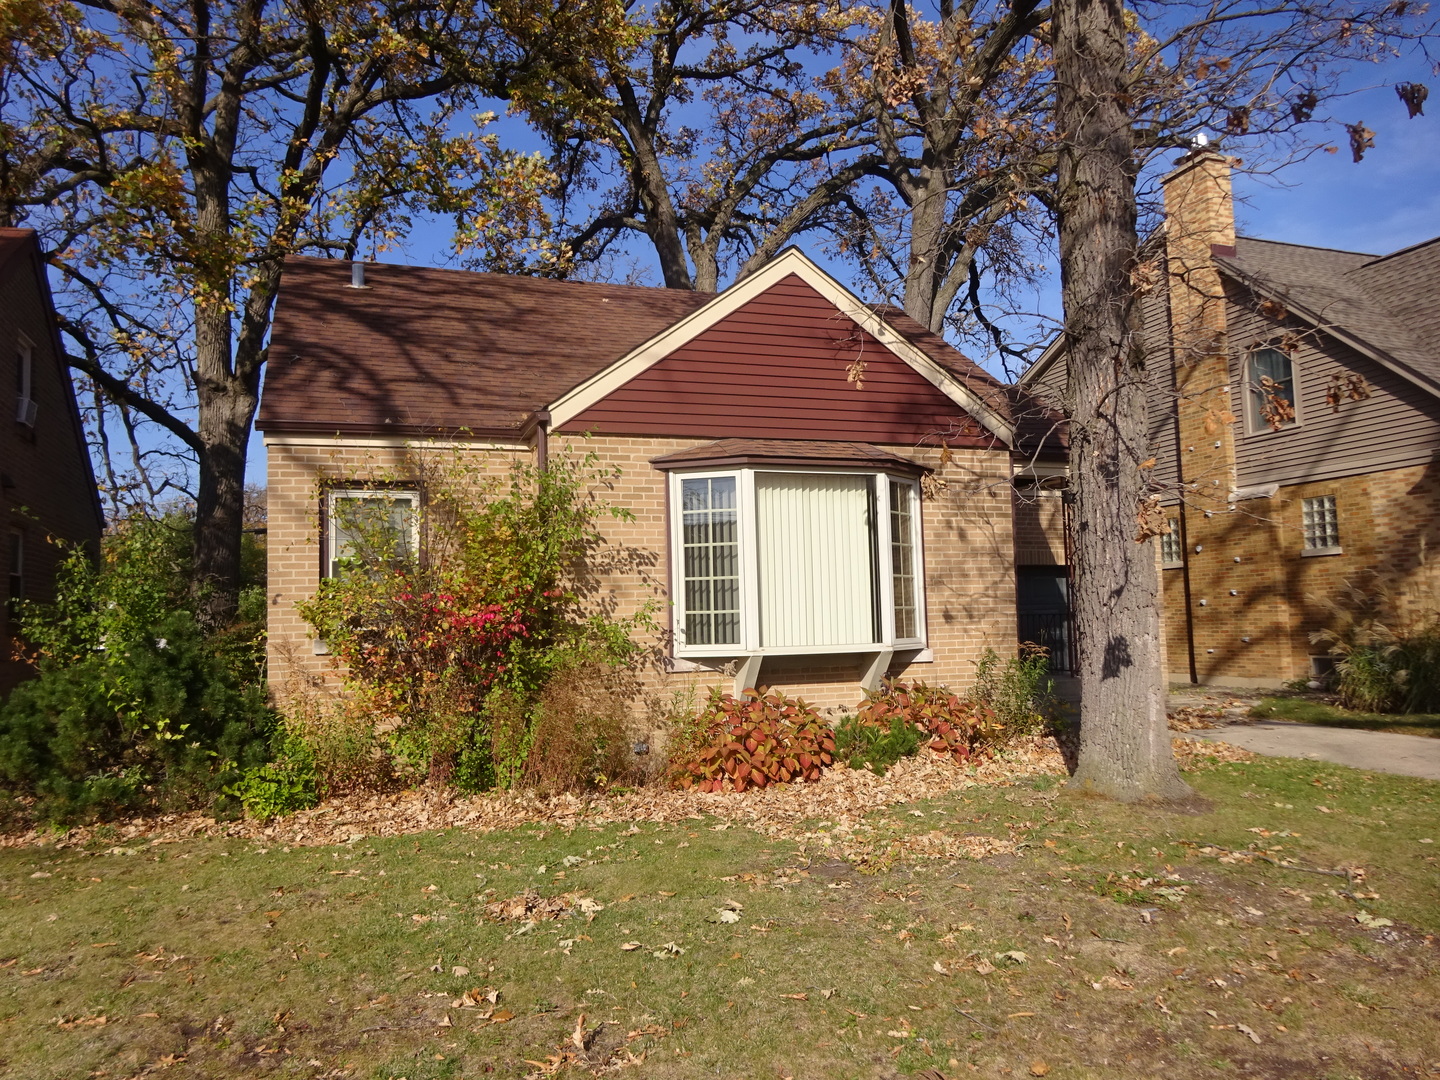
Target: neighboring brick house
{"type": "Point", "coordinates": [47, 488]}
{"type": "Point", "coordinates": [1295, 403]}
{"type": "Point", "coordinates": [779, 433]}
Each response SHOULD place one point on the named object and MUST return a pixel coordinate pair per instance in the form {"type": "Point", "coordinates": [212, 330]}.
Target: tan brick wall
{"type": "Point", "coordinates": [1039, 528]}
{"type": "Point", "coordinates": [968, 552]}
{"type": "Point", "coordinates": [296, 476]}
{"type": "Point", "coordinates": [1389, 523]}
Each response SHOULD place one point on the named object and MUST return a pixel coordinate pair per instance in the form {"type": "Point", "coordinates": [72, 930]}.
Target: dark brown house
{"type": "Point", "coordinates": [1295, 422]}
{"type": "Point", "coordinates": [47, 487]}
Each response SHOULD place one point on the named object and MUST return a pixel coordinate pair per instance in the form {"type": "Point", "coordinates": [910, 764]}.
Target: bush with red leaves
{"type": "Point", "coordinates": [759, 739]}
{"type": "Point", "coordinates": [955, 725]}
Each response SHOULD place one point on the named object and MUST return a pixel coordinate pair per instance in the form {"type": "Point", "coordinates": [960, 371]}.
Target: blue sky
{"type": "Point", "coordinates": [1388, 201]}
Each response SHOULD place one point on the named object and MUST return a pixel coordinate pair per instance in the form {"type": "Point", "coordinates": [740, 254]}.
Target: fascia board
{"type": "Point", "coordinates": [791, 261]}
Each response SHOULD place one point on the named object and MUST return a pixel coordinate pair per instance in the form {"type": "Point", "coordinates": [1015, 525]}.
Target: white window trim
{"type": "Point", "coordinates": [749, 560]}
{"type": "Point", "coordinates": [332, 495]}
{"type": "Point", "coordinates": [1255, 424]}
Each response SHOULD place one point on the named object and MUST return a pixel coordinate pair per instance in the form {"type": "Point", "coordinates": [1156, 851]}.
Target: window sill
{"type": "Point", "coordinates": [1172, 566]}
{"type": "Point", "coordinates": [685, 661]}
{"type": "Point", "coordinates": [1313, 552]}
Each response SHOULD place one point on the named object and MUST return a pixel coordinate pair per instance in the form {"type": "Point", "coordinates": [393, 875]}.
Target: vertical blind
{"type": "Point", "coordinates": [816, 559]}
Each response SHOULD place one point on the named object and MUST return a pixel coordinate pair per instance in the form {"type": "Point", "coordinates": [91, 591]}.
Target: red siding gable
{"type": "Point", "coordinates": [776, 368]}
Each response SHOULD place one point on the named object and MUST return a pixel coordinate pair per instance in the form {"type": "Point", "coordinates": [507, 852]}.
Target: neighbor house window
{"type": "Point", "coordinates": [1270, 390]}
{"type": "Point", "coordinates": [370, 528]}
{"type": "Point", "coordinates": [16, 591]}
{"type": "Point", "coordinates": [24, 383]}
{"type": "Point", "coordinates": [1320, 524]}
{"type": "Point", "coordinates": [1171, 553]}
{"type": "Point", "coordinates": [799, 562]}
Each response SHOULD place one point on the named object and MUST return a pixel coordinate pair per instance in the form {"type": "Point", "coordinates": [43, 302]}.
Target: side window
{"type": "Point", "coordinates": [1320, 524]}
{"type": "Point", "coordinates": [1269, 391]}
{"type": "Point", "coordinates": [367, 527]}
{"type": "Point", "coordinates": [24, 383]}
{"type": "Point", "coordinates": [1171, 555]}
{"type": "Point", "coordinates": [16, 559]}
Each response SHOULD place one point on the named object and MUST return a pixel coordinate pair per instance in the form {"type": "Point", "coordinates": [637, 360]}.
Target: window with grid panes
{"type": "Point", "coordinates": [1171, 554]}
{"type": "Point", "coordinates": [1319, 523]}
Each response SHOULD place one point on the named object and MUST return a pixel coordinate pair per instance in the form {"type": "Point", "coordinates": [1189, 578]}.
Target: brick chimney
{"type": "Point", "coordinates": [1200, 223]}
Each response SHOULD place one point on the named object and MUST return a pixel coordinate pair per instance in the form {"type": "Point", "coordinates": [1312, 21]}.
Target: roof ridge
{"type": "Point", "coordinates": [1400, 251]}
{"type": "Point", "coordinates": [1308, 247]}
{"type": "Point", "coordinates": [497, 275]}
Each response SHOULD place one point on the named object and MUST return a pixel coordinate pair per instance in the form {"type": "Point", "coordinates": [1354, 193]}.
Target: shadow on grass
{"type": "Point", "coordinates": [1320, 714]}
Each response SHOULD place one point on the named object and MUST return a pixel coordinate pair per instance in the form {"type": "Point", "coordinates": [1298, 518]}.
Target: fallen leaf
{"type": "Point", "coordinates": [631, 946]}
{"type": "Point", "coordinates": [1039, 1068]}
{"type": "Point", "coordinates": [797, 997]}
{"type": "Point", "coordinates": [1248, 1032]}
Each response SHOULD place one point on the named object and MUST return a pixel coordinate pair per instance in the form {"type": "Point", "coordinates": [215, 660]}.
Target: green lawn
{"type": "Point", "coordinates": [1110, 945]}
{"type": "Point", "coordinates": [1307, 711]}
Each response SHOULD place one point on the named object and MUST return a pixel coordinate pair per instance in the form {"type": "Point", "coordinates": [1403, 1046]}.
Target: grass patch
{"type": "Point", "coordinates": [1306, 711]}
{"type": "Point", "coordinates": [1110, 946]}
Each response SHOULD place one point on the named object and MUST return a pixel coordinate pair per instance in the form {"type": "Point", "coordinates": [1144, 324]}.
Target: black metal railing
{"type": "Point", "coordinates": [1052, 633]}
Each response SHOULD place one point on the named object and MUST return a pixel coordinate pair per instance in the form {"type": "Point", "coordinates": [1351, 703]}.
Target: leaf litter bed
{"type": "Point", "coordinates": [842, 797]}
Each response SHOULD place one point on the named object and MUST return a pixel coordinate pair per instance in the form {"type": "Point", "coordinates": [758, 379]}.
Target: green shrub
{"type": "Point", "coordinates": [1386, 644]}
{"type": "Point", "coordinates": [1018, 691]}
{"type": "Point", "coordinates": [157, 723]}
{"type": "Point", "coordinates": [873, 745]}
{"type": "Point", "coordinates": [759, 739]}
{"type": "Point", "coordinates": [133, 708]}
{"type": "Point", "coordinates": [280, 786]}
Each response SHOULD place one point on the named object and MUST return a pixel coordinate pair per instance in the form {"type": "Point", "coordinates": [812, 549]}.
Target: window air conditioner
{"type": "Point", "coordinates": [25, 410]}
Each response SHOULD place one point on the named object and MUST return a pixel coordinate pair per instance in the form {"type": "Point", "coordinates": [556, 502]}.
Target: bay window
{"type": "Point", "coordinates": [775, 560]}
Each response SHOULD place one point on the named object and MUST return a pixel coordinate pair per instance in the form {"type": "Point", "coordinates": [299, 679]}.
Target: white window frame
{"type": "Point", "coordinates": [333, 495]}
{"type": "Point", "coordinates": [1255, 424]}
{"type": "Point", "coordinates": [749, 560]}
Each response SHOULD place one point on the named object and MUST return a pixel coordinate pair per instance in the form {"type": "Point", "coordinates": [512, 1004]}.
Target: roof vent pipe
{"type": "Point", "coordinates": [357, 274]}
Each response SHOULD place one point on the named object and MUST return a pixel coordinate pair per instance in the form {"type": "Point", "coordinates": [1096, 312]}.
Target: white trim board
{"type": "Point", "coordinates": [400, 442]}
{"type": "Point", "coordinates": [790, 261]}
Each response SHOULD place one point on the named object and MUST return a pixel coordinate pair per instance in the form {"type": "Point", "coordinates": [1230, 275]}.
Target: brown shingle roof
{"type": "Point", "coordinates": [1388, 303]}
{"type": "Point", "coordinates": [422, 349]}
{"type": "Point", "coordinates": [729, 452]}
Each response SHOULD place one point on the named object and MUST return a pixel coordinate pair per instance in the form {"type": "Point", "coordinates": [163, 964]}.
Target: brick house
{"type": "Point", "coordinates": [47, 487]}
{"type": "Point", "coordinates": [1295, 422]}
{"type": "Point", "coordinates": [783, 436]}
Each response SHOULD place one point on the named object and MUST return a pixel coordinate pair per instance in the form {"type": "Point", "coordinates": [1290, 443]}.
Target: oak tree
{"type": "Point", "coordinates": [173, 153]}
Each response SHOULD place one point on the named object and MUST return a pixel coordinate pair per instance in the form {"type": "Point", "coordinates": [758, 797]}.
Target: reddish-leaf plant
{"type": "Point", "coordinates": [954, 725]}
{"type": "Point", "coordinates": [759, 739]}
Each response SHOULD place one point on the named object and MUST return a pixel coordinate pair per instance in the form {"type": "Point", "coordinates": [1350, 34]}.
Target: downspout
{"type": "Point", "coordinates": [542, 439]}
{"type": "Point", "coordinates": [1184, 537]}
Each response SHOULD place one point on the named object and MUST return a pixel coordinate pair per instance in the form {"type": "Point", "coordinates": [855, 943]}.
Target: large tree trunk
{"type": "Point", "coordinates": [226, 408]}
{"type": "Point", "coordinates": [1125, 749]}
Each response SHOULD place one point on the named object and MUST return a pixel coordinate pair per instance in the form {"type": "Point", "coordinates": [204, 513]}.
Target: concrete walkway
{"type": "Point", "coordinates": [1408, 755]}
